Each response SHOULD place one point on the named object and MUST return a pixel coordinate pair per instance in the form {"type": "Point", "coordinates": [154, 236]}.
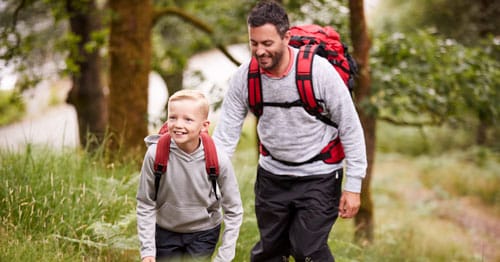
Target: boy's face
{"type": "Point", "coordinates": [268, 47]}
{"type": "Point", "coordinates": [185, 122]}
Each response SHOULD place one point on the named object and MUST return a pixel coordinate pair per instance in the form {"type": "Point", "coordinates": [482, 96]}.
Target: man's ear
{"type": "Point", "coordinates": [287, 36]}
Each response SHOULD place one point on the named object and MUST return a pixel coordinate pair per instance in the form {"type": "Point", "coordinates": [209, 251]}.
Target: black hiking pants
{"type": "Point", "coordinates": [197, 246]}
{"type": "Point", "coordinates": [295, 216]}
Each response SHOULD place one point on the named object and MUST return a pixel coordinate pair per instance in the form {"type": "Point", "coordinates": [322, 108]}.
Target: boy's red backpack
{"type": "Point", "coordinates": [311, 40]}
{"type": "Point", "coordinates": [163, 152]}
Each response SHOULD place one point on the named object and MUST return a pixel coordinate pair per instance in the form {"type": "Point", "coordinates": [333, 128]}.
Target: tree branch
{"type": "Point", "coordinates": [160, 12]}
{"type": "Point", "coordinates": [399, 122]}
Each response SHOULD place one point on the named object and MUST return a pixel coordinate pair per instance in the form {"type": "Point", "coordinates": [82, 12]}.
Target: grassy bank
{"type": "Point", "coordinates": [71, 206]}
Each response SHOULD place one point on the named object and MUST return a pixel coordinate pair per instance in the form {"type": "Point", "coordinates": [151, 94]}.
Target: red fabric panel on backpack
{"type": "Point", "coordinates": [335, 151]}
{"type": "Point", "coordinates": [163, 129]}
{"type": "Point", "coordinates": [162, 153]}
{"type": "Point", "coordinates": [254, 88]}
{"type": "Point", "coordinates": [211, 160]}
{"type": "Point", "coordinates": [305, 58]}
{"type": "Point", "coordinates": [334, 49]}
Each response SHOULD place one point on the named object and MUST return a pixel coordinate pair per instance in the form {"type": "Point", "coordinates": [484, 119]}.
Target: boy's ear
{"type": "Point", "coordinates": [205, 125]}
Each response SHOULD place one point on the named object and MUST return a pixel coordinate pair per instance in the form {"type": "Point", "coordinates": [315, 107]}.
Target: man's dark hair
{"type": "Point", "coordinates": [271, 12]}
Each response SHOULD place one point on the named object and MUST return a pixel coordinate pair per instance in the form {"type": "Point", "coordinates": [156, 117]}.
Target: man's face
{"type": "Point", "coordinates": [268, 47]}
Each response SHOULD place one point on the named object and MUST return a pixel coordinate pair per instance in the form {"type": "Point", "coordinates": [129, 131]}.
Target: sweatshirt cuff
{"type": "Point", "coordinates": [353, 184]}
{"type": "Point", "coordinates": [148, 253]}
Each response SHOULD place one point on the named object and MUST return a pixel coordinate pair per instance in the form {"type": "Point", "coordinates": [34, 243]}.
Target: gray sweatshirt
{"type": "Point", "coordinates": [292, 134]}
{"type": "Point", "coordinates": [186, 202]}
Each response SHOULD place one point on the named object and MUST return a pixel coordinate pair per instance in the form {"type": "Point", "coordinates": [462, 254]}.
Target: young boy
{"type": "Point", "coordinates": [185, 220]}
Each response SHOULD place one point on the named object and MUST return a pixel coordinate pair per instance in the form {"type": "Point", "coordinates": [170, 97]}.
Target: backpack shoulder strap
{"type": "Point", "coordinates": [304, 80]}
{"type": "Point", "coordinates": [161, 160]}
{"type": "Point", "coordinates": [254, 88]}
{"type": "Point", "coordinates": [211, 160]}
{"type": "Point", "coordinates": [163, 152]}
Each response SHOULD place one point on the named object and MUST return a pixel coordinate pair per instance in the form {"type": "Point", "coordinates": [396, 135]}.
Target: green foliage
{"type": "Point", "coordinates": [425, 140]}
{"type": "Point", "coordinates": [28, 38]}
{"type": "Point", "coordinates": [334, 13]}
{"type": "Point", "coordinates": [424, 79]}
{"type": "Point", "coordinates": [175, 40]}
{"type": "Point", "coordinates": [466, 21]}
{"type": "Point", "coordinates": [12, 107]}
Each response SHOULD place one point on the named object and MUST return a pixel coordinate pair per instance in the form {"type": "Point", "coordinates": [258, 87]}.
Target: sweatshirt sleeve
{"type": "Point", "coordinates": [233, 112]}
{"type": "Point", "coordinates": [232, 208]}
{"type": "Point", "coordinates": [343, 112]}
{"type": "Point", "coordinates": [146, 207]}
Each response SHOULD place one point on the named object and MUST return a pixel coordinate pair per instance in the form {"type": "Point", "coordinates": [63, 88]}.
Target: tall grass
{"type": "Point", "coordinates": [53, 206]}
{"type": "Point", "coordinates": [71, 206]}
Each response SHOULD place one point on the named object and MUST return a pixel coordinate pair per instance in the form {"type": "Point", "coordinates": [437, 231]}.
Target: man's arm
{"type": "Point", "coordinates": [232, 114]}
{"type": "Point", "coordinates": [342, 111]}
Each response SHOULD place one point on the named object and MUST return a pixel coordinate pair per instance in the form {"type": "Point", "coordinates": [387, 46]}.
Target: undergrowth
{"type": "Point", "coordinates": [68, 205]}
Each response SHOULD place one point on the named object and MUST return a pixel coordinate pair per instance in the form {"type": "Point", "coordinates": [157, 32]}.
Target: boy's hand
{"type": "Point", "coordinates": [349, 204]}
{"type": "Point", "coordinates": [148, 259]}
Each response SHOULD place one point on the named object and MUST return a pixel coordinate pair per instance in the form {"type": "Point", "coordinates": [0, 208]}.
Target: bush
{"type": "Point", "coordinates": [12, 107]}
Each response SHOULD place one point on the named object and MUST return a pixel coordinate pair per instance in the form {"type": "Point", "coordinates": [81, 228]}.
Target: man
{"type": "Point", "coordinates": [297, 199]}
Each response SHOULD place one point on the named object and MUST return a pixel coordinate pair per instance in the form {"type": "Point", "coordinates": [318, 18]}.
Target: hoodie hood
{"type": "Point", "coordinates": [152, 139]}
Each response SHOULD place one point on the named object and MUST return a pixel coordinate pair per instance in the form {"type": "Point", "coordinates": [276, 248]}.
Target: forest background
{"type": "Point", "coordinates": [427, 94]}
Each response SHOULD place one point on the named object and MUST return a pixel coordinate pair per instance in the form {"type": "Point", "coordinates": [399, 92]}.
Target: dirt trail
{"type": "Point", "coordinates": [480, 224]}
{"type": "Point", "coordinates": [54, 127]}
{"type": "Point", "coordinates": [476, 219]}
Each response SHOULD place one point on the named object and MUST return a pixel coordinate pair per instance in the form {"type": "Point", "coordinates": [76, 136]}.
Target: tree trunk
{"type": "Point", "coordinates": [361, 42]}
{"type": "Point", "coordinates": [87, 92]}
{"type": "Point", "coordinates": [482, 128]}
{"type": "Point", "coordinates": [175, 81]}
{"type": "Point", "coordinates": [130, 64]}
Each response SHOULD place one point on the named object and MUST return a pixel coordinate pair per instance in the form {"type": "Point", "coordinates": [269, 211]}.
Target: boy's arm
{"type": "Point", "coordinates": [146, 207]}
{"type": "Point", "coordinates": [232, 208]}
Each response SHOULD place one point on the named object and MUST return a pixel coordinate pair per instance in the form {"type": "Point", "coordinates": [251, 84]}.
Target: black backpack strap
{"type": "Point", "coordinates": [305, 58]}
{"type": "Point", "coordinates": [254, 88]}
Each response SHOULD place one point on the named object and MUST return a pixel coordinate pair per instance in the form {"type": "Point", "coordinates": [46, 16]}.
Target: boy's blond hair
{"type": "Point", "coordinates": [194, 95]}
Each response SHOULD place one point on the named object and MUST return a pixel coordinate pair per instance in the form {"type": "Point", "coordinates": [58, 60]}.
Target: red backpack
{"type": "Point", "coordinates": [163, 152]}
{"type": "Point", "coordinates": [311, 40]}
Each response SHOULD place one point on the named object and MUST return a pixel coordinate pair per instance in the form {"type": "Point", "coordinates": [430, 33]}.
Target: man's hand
{"type": "Point", "coordinates": [349, 204]}
{"type": "Point", "coordinates": [148, 259]}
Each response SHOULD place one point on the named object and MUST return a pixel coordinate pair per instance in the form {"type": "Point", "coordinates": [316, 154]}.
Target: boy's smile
{"type": "Point", "coordinates": [185, 122]}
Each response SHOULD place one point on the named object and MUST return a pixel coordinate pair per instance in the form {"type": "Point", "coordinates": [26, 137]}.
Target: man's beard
{"type": "Point", "coordinates": [275, 60]}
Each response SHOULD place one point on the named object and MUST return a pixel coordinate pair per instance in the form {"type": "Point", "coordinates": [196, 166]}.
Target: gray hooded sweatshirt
{"type": "Point", "coordinates": [292, 134]}
{"type": "Point", "coordinates": [186, 202]}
